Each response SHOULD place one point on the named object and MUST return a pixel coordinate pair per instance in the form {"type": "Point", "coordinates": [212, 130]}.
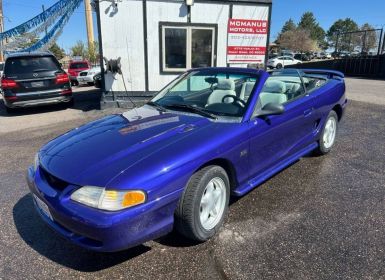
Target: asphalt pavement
{"type": "Point", "coordinates": [320, 218]}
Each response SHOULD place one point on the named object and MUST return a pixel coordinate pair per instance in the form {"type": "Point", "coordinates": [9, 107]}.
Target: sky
{"type": "Point", "coordinates": [325, 11]}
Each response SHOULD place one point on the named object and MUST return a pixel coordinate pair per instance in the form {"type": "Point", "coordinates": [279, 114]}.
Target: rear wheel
{"type": "Point", "coordinates": [204, 204]}
{"type": "Point", "coordinates": [10, 110]}
{"type": "Point", "coordinates": [328, 135]}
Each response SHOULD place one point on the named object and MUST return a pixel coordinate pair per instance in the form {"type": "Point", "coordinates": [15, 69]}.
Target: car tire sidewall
{"type": "Point", "coordinates": [322, 149]}
{"type": "Point", "coordinates": [192, 225]}
{"type": "Point", "coordinates": [279, 66]}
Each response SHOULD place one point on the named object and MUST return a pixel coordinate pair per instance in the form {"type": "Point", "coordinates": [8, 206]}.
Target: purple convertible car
{"type": "Point", "coordinates": [125, 179]}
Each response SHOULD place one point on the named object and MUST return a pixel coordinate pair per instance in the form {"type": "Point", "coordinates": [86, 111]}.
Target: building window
{"type": "Point", "coordinates": [186, 47]}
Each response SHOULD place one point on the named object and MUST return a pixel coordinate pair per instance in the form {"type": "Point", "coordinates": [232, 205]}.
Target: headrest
{"type": "Point", "coordinates": [225, 84]}
{"type": "Point", "coordinates": [248, 87]}
{"type": "Point", "coordinates": [274, 87]}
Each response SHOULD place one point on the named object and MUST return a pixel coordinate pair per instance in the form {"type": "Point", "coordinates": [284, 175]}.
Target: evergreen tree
{"type": "Point", "coordinates": [308, 22]}
{"type": "Point", "coordinates": [288, 26]}
{"type": "Point", "coordinates": [346, 42]}
{"type": "Point", "coordinates": [57, 51]}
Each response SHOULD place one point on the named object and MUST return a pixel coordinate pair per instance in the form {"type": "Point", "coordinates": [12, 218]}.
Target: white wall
{"type": "Point", "coordinates": [214, 14]}
{"type": "Point", "coordinates": [122, 36]}
{"type": "Point", "coordinates": [156, 12]}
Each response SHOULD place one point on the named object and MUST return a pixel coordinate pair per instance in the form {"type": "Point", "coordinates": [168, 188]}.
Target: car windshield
{"type": "Point", "coordinates": [78, 65]}
{"type": "Point", "coordinates": [25, 65]}
{"type": "Point", "coordinates": [208, 93]}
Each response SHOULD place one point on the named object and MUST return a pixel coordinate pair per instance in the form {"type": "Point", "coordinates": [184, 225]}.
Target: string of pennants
{"type": "Point", "coordinates": [55, 17]}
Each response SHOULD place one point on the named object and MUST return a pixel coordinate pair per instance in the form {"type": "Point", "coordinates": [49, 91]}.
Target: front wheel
{"type": "Point", "coordinates": [279, 66]}
{"type": "Point", "coordinates": [204, 204]}
{"type": "Point", "coordinates": [328, 135]}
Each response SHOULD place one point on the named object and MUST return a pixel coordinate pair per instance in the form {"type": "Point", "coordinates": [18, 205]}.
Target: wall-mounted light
{"type": "Point", "coordinates": [189, 2]}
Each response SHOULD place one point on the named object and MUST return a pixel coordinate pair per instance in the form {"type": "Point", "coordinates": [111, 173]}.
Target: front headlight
{"type": "Point", "coordinates": [36, 162]}
{"type": "Point", "coordinates": [110, 200]}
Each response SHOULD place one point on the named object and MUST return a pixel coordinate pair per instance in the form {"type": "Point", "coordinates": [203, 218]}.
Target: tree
{"type": "Point", "coordinates": [57, 51]}
{"type": "Point", "coordinates": [298, 40]}
{"type": "Point", "coordinates": [79, 49]}
{"type": "Point", "coordinates": [93, 52]}
{"type": "Point", "coordinates": [368, 38]}
{"type": "Point", "coordinates": [288, 26]}
{"type": "Point", "coordinates": [316, 32]}
{"type": "Point", "coordinates": [338, 31]}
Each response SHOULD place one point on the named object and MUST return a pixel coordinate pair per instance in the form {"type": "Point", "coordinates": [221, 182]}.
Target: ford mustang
{"type": "Point", "coordinates": [173, 163]}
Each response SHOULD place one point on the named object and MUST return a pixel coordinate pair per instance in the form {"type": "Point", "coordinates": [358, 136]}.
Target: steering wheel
{"type": "Point", "coordinates": [236, 99]}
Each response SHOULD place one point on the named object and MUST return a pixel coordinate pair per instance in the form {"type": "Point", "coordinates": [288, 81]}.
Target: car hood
{"type": "Point", "coordinates": [98, 151]}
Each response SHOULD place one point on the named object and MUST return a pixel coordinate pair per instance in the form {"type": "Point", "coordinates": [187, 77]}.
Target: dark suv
{"type": "Point", "coordinates": [33, 79]}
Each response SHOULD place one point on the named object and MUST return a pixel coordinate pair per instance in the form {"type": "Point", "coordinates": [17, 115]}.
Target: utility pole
{"type": "Point", "coordinates": [1, 30]}
{"type": "Point", "coordinates": [89, 23]}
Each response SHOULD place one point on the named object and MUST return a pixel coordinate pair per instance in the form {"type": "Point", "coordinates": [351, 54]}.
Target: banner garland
{"type": "Point", "coordinates": [32, 23]}
{"type": "Point", "coordinates": [54, 33]}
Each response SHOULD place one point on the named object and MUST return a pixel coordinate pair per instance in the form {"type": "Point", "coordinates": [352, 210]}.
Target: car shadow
{"type": "Point", "coordinates": [49, 244]}
{"type": "Point", "coordinates": [84, 100]}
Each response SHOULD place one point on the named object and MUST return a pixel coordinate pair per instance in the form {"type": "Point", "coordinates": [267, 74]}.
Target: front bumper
{"type": "Point", "coordinates": [100, 230]}
{"type": "Point", "coordinates": [85, 79]}
{"type": "Point", "coordinates": [39, 102]}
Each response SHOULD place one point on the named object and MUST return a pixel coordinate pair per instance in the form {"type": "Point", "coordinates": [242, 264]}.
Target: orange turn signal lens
{"type": "Point", "coordinates": [133, 198]}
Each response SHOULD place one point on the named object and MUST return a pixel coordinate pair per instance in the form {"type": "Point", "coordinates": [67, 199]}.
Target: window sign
{"type": "Point", "coordinates": [246, 40]}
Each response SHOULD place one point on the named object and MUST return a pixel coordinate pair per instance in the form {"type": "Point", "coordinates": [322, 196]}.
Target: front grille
{"type": "Point", "coordinates": [83, 74]}
{"type": "Point", "coordinates": [53, 181]}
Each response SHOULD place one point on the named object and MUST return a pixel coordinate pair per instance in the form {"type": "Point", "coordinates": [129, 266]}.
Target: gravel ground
{"type": "Point", "coordinates": [321, 218]}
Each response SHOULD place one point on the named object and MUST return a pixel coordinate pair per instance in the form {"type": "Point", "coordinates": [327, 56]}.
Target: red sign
{"type": "Point", "coordinates": [247, 26]}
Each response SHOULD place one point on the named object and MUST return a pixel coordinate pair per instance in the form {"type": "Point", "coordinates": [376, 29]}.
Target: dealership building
{"type": "Point", "coordinates": [154, 41]}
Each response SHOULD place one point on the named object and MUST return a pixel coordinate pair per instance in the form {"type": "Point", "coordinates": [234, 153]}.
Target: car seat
{"type": "Point", "coordinates": [273, 92]}
{"type": "Point", "coordinates": [246, 90]}
{"type": "Point", "coordinates": [223, 88]}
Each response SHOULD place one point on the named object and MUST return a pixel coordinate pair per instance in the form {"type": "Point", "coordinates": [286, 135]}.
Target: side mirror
{"type": "Point", "coordinates": [271, 109]}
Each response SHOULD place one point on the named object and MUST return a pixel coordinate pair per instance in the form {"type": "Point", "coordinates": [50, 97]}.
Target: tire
{"type": "Point", "coordinates": [197, 203]}
{"type": "Point", "coordinates": [10, 110]}
{"type": "Point", "coordinates": [90, 84]}
{"type": "Point", "coordinates": [326, 144]}
{"type": "Point", "coordinates": [279, 66]}
{"type": "Point", "coordinates": [70, 103]}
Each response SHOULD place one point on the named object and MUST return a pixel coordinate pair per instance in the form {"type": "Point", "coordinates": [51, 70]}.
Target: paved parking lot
{"type": "Point", "coordinates": [321, 218]}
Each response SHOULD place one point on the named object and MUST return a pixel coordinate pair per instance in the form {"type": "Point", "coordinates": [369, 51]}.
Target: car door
{"type": "Point", "coordinates": [290, 61]}
{"type": "Point", "coordinates": [277, 137]}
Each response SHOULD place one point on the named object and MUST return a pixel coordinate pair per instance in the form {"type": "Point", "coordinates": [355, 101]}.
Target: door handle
{"type": "Point", "coordinates": [308, 112]}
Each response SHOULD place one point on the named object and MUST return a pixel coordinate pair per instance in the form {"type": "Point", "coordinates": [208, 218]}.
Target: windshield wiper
{"type": "Point", "coordinates": [156, 105]}
{"type": "Point", "coordinates": [192, 109]}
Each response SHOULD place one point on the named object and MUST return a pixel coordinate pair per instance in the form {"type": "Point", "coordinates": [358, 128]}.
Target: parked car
{"type": "Point", "coordinates": [272, 55]}
{"type": "Point", "coordinates": [87, 77]}
{"type": "Point", "coordinates": [33, 79]}
{"type": "Point", "coordinates": [1, 69]}
{"type": "Point", "coordinates": [125, 179]}
{"type": "Point", "coordinates": [75, 67]}
{"type": "Point", "coordinates": [287, 53]}
{"type": "Point", "coordinates": [98, 80]}
{"type": "Point", "coordinates": [301, 57]}
{"type": "Point", "coordinates": [282, 61]}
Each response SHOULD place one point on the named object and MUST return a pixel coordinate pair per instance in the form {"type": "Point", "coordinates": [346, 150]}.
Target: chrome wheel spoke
{"type": "Point", "coordinates": [212, 203]}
